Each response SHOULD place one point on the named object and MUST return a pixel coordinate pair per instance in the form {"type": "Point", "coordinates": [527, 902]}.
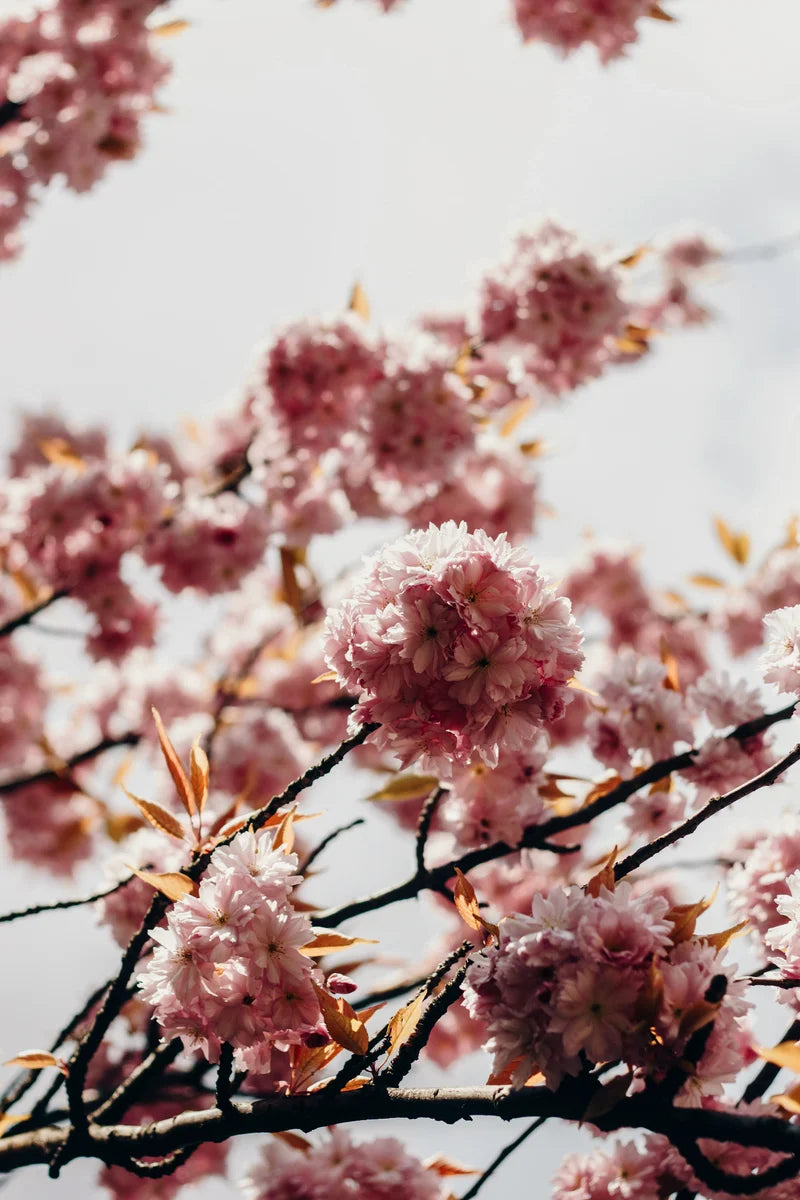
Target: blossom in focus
{"type": "Point", "coordinates": [456, 644]}
{"type": "Point", "coordinates": [227, 967]}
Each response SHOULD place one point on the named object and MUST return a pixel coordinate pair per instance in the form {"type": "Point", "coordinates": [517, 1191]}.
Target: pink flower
{"type": "Point", "coordinates": [781, 658]}
{"type": "Point", "coordinates": [495, 645]}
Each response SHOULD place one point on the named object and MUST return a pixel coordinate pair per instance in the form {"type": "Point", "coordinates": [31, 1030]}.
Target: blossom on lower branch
{"type": "Point", "coordinates": [340, 1169]}
{"type": "Point", "coordinates": [456, 645]}
{"type": "Point", "coordinates": [599, 978]}
{"type": "Point", "coordinates": [228, 966]}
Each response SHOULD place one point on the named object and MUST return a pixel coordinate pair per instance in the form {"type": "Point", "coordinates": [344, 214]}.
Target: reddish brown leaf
{"type": "Point", "coordinates": [342, 1023]}
{"type": "Point", "coordinates": [158, 816]}
{"type": "Point", "coordinates": [179, 777]}
{"type": "Point", "coordinates": [35, 1060]}
{"type": "Point", "coordinates": [446, 1167]}
{"type": "Point", "coordinates": [198, 767]}
{"type": "Point", "coordinates": [295, 1140]}
{"type": "Point", "coordinates": [604, 878]}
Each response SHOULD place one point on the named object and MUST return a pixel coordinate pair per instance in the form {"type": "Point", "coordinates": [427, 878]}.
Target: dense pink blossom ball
{"type": "Point", "coordinates": [456, 644]}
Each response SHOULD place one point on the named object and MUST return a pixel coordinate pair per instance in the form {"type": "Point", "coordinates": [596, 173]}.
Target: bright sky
{"type": "Point", "coordinates": [305, 148]}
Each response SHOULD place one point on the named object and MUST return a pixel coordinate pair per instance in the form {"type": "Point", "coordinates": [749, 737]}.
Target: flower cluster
{"type": "Point", "coordinates": [555, 307]}
{"type": "Point", "coordinates": [599, 978]}
{"type": "Point", "coordinates": [496, 804]}
{"type": "Point", "coordinates": [228, 967]}
{"type": "Point", "coordinates": [455, 643]}
{"type": "Point", "coordinates": [341, 1169]}
{"type": "Point", "coordinates": [76, 79]}
{"type": "Point", "coordinates": [764, 862]}
{"type": "Point", "coordinates": [652, 1168]}
{"type": "Point", "coordinates": [567, 25]}
{"type": "Point", "coordinates": [784, 938]}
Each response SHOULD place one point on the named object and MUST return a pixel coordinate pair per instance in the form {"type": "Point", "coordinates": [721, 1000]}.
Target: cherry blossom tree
{"type": "Point", "coordinates": [538, 743]}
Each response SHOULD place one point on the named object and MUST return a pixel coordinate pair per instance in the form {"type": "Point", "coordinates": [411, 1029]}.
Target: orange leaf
{"type": "Point", "coordinates": [707, 581]}
{"type": "Point", "coordinates": [789, 1101]}
{"type": "Point", "coordinates": [406, 787]}
{"type": "Point", "coordinates": [602, 789]}
{"type": "Point", "coordinates": [179, 777]}
{"type": "Point", "coordinates": [158, 816]}
{"type": "Point", "coordinates": [7, 1120]}
{"type": "Point", "coordinates": [342, 1023]}
{"type": "Point", "coordinates": [326, 677]}
{"type": "Point", "coordinates": [604, 878]}
{"type": "Point", "coordinates": [358, 302]}
{"type": "Point", "coordinates": [171, 884]}
{"type": "Point", "coordinates": [329, 943]}
{"type": "Point", "coordinates": [35, 1060]}
{"type": "Point", "coordinates": [467, 906]}
{"type": "Point", "coordinates": [630, 260]}
{"type": "Point", "coordinates": [672, 678]}
{"type": "Point", "coordinates": [658, 14]}
{"type": "Point", "coordinates": [198, 766]}
{"type": "Point", "coordinates": [737, 545]}
{"type": "Point", "coordinates": [405, 1021]}
{"type": "Point", "coordinates": [786, 1054]}
{"type": "Point", "coordinates": [684, 917]}
{"type": "Point", "coordinates": [720, 940]}
{"type": "Point", "coordinates": [446, 1167]}
{"type": "Point", "coordinates": [170, 28]}
{"type": "Point", "coordinates": [59, 452]}
{"type": "Point", "coordinates": [284, 834]}
{"type": "Point", "coordinates": [294, 1140]}
{"type": "Point", "coordinates": [517, 415]}
{"type": "Point", "coordinates": [292, 593]}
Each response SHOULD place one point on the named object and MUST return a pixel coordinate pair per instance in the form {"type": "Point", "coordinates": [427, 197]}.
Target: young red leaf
{"type": "Point", "coordinates": [179, 777]}
{"type": "Point", "coordinates": [446, 1167]}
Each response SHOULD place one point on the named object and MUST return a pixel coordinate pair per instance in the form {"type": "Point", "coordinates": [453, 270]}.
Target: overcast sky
{"type": "Point", "coordinates": [306, 147]}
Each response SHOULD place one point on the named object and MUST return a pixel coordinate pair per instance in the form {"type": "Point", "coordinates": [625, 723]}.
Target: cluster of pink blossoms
{"type": "Point", "coordinates": [496, 804]}
{"type": "Point", "coordinates": [764, 862]}
{"type": "Point", "coordinates": [652, 1168]}
{"type": "Point", "coordinates": [228, 966]}
{"type": "Point", "coordinates": [784, 938]}
{"type": "Point", "coordinates": [341, 1169]}
{"type": "Point", "coordinates": [601, 978]}
{"type": "Point", "coordinates": [555, 307]}
{"type": "Point", "coordinates": [75, 81]}
{"type": "Point", "coordinates": [455, 643]}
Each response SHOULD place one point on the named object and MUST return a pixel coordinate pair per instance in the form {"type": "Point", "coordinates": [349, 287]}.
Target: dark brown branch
{"type": "Point", "coordinates": [23, 618]}
{"type": "Point", "coordinates": [717, 804]}
{"type": "Point", "coordinates": [224, 1088]}
{"type": "Point", "coordinates": [326, 841]}
{"type": "Point", "coordinates": [8, 786]}
{"type": "Point", "coordinates": [724, 1181]}
{"type": "Point", "coordinates": [120, 1143]}
{"type": "Point", "coordinates": [59, 905]}
{"type": "Point", "coordinates": [427, 813]}
{"type": "Point", "coordinates": [538, 836]}
{"type": "Point", "coordinates": [79, 1063]}
{"type": "Point", "coordinates": [410, 1051]}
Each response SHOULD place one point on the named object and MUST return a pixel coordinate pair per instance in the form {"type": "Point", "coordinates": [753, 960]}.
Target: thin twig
{"type": "Point", "coordinates": [60, 905]}
{"type": "Point", "coordinates": [505, 1153]}
{"type": "Point", "coordinates": [24, 618]}
{"type": "Point", "coordinates": [427, 813]}
{"type": "Point", "coordinates": [326, 841]}
{"type": "Point", "coordinates": [709, 810]}
{"type": "Point", "coordinates": [8, 786]}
